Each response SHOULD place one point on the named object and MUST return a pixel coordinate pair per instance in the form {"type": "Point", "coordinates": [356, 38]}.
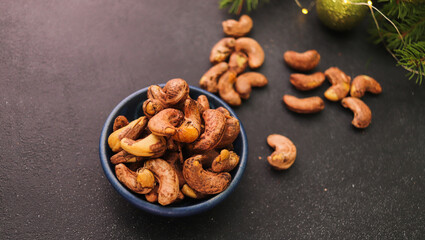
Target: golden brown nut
{"type": "Point", "coordinates": [305, 61]}
{"type": "Point", "coordinates": [340, 84]}
{"type": "Point", "coordinates": [304, 105]}
{"type": "Point", "coordinates": [203, 103]}
{"type": "Point", "coordinates": [189, 192]}
{"type": "Point", "coordinates": [125, 157]}
{"type": "Point", "coordinates": [231, 132]}
{"type": "Point", "coordinates": [176, 91]}
{"type": "Point", "coordinates": [129, 179]}
{"type": "Point", "coordinates": [203, 181]}
{"type": "Point", "coordinates": [226, 89]}
{"type": "Point", "coordinates": [150, 146]}
{"type": "Point", "coordinates": [362, 113]}
{"type": "Point", "coordinates": [190, 129]}
{"type": "Point", "coordinates": [246, 81]}
{"type": "Point", "coordinates": [119, 122]}
{"type": "Point", "coordinates": [209, 81]}
{"type": "Point", "coordinates": [152, 107]}
{"type": "Point", "coordinates": [238, 62]}
{"type": "Point", "coordinates": [152, 196]}
{"type": "Point", "coordinates": [164, 123]}
{"type": "Point", "coordinates": [285, 152]}
{"type": "Point", "coordinates": [131, 131]}
{"type": "Point", "coordinates": [362, 84]}
{"type": "Point", "coordinates": [305, 82]}
{"type": "Point", "coordinates": [168, 190]}
{"type": "Point", "coordinates": [225, 162]}
{"type": "Point", "coordinates": [215, 123]}
{"type": "Point", "coordinates": [222, 50]}
{"type": "Point", "coordinates": [237, 28]}
{"type": "Point", "coordinates": [252, 49]}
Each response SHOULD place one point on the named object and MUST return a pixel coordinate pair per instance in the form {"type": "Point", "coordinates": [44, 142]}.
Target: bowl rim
{"type": "Point", "coordinates": [170, 211]}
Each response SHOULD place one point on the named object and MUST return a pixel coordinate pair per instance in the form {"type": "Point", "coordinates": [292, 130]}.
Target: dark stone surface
{"type": "Point", "coordinates": [65, 64]}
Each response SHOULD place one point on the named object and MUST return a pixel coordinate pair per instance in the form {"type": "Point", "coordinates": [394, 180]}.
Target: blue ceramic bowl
{"type": "Point", "coordinates": [131, 107]}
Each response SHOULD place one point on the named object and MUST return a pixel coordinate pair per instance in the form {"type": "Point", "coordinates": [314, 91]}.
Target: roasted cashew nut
{"type": "Point", "coordinates": [237, 28]}
{"type": "Point", "coordinates": [225, 162]}
{"type": "Point", "coordinates": [152, 196]}
{"type": "Point", "coordinates": [362, 113]}
{"type": "Point", "coordinates": [119, 122]}
{"type": "Point", "coordinates": [173, 158]}
{"type": "Point", "coordinates": [231, 131]}
{"type": "Point", "coordinates": [129, 179]}
{"type": "Point", "coordinates": [305, 61]}
{"type": "Point", "coordinates": [131, 131]}
{"type": "Point", "coordinates": [215, 123]}
{"type": "Point", "coordinates": [125, 157]}
{"type": "Point", "coordinates": [222, 50]}
{"type": "Point", "coordinates": [168, 190]}
{"type": "Point", "coordinates": [203, 103]}
{"type": "Point", "coordinates": [238, 62]}
{"type": "Point", "coordinates": [305, 82]}
{"type": "Point", "coordinates": [285, 152]}
{"type": "Point", "coordinates": [252, 49]}
{"type": "Point", "coordinates": [362, 84]}
{"type": "Point", "coordinates": [203, 181]}
{"type": "Point", "coordinates": [164, 123]}
{"type": "Point", "coordinates": [152, 107]}
{"type": "Point", "coordinates": [150, 146]}
{"type": "Point", "coordinates": [227, 91]}
{"type": "Point", "coordinates": [189, 192]}
{"type": "Point", "coordinates": [246, 81]}
{"type": "Point", "coordinates": [223, 110]}
{"type": "Point", "coordinates": [340, 84]}
{"type": "Point", "coordinates": [176, 91]}
{"type": "Point", "coordinates": [209, 81]}
{"type": "Point", "coordinates": [304, 105]}
{"type": "Point", "coordinates": [190, 129]}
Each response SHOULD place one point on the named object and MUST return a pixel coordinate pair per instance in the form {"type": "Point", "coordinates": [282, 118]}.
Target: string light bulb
{"type": "Point", "coordinates": [304, 10]}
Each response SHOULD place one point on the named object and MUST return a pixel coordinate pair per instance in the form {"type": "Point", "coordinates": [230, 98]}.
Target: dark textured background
{"type": "Point", "coordinates": [64, 65]}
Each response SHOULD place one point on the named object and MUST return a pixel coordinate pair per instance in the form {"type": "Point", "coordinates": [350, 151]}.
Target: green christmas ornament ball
{"type": "Point", "coordinates": [340, 15]}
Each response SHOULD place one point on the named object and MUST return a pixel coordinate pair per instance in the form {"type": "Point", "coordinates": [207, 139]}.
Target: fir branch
{"type": "Point", "coordinates": [412, 56]}
{"type": "Point", "coordinates": [236, 6]}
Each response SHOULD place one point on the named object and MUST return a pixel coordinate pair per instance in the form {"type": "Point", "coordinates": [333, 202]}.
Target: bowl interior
{"type": "Point", "coordinates": [131, 107]}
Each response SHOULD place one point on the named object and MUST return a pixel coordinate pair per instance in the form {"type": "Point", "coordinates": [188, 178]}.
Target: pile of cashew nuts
{"type": "Point", "coordinates": [180, 148]}
{"type": "Point", "coordinates": [227, 78]}
{"type": "Point", "coordinates": [341, 86]}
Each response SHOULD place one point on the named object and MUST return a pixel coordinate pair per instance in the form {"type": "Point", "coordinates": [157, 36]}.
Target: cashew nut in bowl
{"type": "Point", "coordinates": [215, 123]}
{"type": "Point", "coordinates": [246, 81]}
{"type": "Point", "coordinates": [164, 123]}
{"type": "Point", "coordinates": [176, 91]}
{"type": "Point", "coordinates": [129, 179]}
{"type": "Point", "coordinates": [362, 84]}
{"type": "Point", "coordinates": [209, 81]}
{"type": "Point", "coordinates": [119, 122]}
{"type": "Point", "coordinates": [362, 113]}
{"type": "Point", "coordinates": [238, 62]}
{"type": "Point", "coordinates": [225, 162]}
{"type": "Point", "coordinates": [304, 105]}
{"type": "Point", "coordinates": [152, 196]}
{"type": "Point", "coordinates": [125, 157]}
{"type": "Point", "coordinates": [305, 61]}
{"type": "Point", "coordinates": [231, 131]}
{"type": "Point", "coordinates": [227, 91]}
{"type": "Point", "coordinates": [131, 131]}
{"type": "Point", "coordinates": [150, 146]}
{"type": "Point", "coordinates": [168, 190]}
{"type": "Point", "coordinates": [285, 152]}
{"type": "Point", "coordinates": [190, 129]}
{"type": "Point", "coordinates": [254, 51]}
{"type": "Point", "coordinates": [305, 82]}
{"type": "Point", "coordinates": [189, 192]}
{"type": "Point", "coordinates": [340, 84]}
{"type": "Point", "coordinates": [239, 28]}
{"type": "Point", "coordinates": [152, 107]}
{"type": "Point", "coordinates": [203, 181]}
{"type": "Point", "coordinates": [203, 103]}
{"type": "Point", "coordinates": [222, 50]}
{"type": "Point", "coordinates": [145, 178]}
{"type": "Point", "coordinates": [223, 110]}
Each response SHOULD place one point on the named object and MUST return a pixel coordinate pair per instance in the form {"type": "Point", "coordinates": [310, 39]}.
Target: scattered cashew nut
{"type": "Point", "coordinates": [304, 105]}
{"type": "Point", "coordinates": [227, 91]}
{"type": "Point", "coordinates": [340, 84]}
{"type": "Point", "coordinates": [222, 50]}
{"type": "Point", "coordinates": [306, 82]}
{"type": "Point", "coordinates": [254, 51]}
{"type": "Point", "coordinates": [168, 190]}
{"type": "Point", "coordinates": [209, 81]}
{"type": "Point", "coordinates": [285, 152]}
{"type": "Point", "coordinates": [246, 81]}
{"type": "Point", "coordinates": [362, 84]}
{"type": "Point", "coordinates": [203, 181]}
{"type": "Point", "coordinates": [305, 61]}
{"type": "Point", "coordinates": [238, 62]}
{"type": "Point", "coordinates": [362, 113]}
{"type": "Point", "coordinates": [237, 28]}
